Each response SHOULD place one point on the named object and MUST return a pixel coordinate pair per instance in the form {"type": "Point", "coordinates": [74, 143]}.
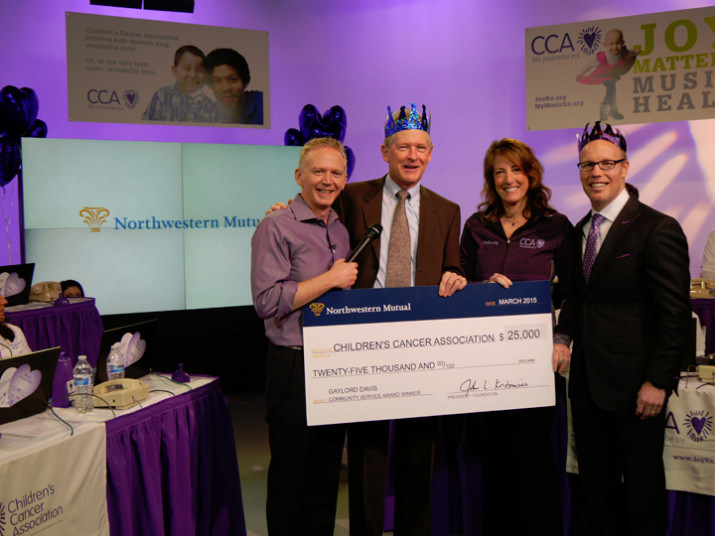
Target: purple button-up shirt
{"type": "Point", "coordinates": [289, 246]}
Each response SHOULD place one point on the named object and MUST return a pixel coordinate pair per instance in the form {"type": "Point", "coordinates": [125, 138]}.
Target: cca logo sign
{"type": "Point", "coordinates": [102, 96]}
{"type": "Point", "coordinates": [551, 44]}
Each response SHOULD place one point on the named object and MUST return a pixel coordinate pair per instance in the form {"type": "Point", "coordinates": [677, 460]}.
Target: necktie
{"type": "Point", "coordinates": [589, 254]}
{"type": "Point", "coordinates": [399, 262]}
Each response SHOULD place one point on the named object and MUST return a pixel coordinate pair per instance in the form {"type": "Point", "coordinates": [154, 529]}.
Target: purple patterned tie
{"type": "Point", "coordinates": [589, 254]}
{"type": "Point", "coordinates": [399, 255]}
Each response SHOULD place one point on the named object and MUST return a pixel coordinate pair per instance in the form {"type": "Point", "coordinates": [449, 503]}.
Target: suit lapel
{"type": "Point", "coordinates": [427, 226]}
{"type": "Point", "coordinates": [618, 229]}
{"type": "Point", "coordinates": [372, 211]}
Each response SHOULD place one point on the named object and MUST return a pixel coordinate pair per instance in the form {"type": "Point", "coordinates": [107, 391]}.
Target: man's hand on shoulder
{"type": "Point", "coordinates": [451, 282]}
{"type": "Point", "coordinates": [278, 206]}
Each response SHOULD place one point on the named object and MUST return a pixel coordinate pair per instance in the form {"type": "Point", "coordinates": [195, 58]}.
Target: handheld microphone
{"type": "Point", "coordinates": [372, 233]}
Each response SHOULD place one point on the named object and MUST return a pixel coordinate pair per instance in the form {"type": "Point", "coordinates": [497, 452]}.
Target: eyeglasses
{"type": "Point", "coordinates": [605, 165]}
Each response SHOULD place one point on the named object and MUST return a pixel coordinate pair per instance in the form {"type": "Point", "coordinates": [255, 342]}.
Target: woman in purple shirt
{"type": "Point", "coordinates": [517, 236]}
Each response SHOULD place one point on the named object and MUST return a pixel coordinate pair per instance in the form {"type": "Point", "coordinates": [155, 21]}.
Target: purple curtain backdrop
{"type": "Point", "coordinates": [463, 59]}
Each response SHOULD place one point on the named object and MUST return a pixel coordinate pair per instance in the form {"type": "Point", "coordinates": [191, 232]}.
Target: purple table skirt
{"type": "Point", "coordinates": [705, 309]}
{"type": "Point", "coordinates": [76, 327]}
{"type": "Point", "coordinates": [457, 498]}
{"type": "Point", "coordinates": [172, 469]}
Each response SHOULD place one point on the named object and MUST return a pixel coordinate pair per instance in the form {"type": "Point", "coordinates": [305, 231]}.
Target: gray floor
{"type": "Point", "coordinates": [251, 433]}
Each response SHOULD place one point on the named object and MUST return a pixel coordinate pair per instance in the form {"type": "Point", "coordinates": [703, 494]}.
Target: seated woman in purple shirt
{"type": "Point", "coordinates": [517, 236]}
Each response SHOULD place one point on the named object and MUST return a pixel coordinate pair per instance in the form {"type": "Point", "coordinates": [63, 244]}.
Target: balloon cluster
{"type": "Point", "coordinates": [332, 124]}
{"type": "Point", "coordinates": [18, 118]}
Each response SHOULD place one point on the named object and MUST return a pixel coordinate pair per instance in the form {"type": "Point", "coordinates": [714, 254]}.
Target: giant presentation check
{"type": "Point", "coordinates": [379, 354]}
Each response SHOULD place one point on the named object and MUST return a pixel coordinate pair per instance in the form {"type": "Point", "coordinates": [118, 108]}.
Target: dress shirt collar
{"type": "Point", "coordinates": [392, 188]}
{"type": "Point", "coordinates": [613, 209]}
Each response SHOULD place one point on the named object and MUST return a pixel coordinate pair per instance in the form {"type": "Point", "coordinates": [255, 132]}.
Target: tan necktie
{"type": "Point", "coordinates": [399, 261]}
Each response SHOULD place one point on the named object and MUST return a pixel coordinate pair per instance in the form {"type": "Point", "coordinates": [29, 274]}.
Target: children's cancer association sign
{"type": "Point", "coordinates": [642, 69]}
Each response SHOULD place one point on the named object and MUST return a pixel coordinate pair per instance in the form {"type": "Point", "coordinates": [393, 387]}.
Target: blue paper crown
{"type": "Point", "coordinates": [597, 133]}
{"type": "Point", "coordinates": [413, 122]}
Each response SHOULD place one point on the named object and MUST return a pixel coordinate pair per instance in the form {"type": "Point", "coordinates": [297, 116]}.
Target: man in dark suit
{"type": "Point", "coordinates": [433, 241]}
{"type": "Point", "coordinates": [630, 314]}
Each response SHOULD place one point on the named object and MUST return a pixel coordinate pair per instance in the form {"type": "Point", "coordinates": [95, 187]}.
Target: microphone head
{"type": "Point", "coordinates": [374, 230]}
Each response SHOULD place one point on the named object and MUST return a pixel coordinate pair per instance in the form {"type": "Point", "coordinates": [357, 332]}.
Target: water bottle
{"type": "Point", "coordinates": [83, 385]}
{"type": "Point", "coordinates": [115, 363]}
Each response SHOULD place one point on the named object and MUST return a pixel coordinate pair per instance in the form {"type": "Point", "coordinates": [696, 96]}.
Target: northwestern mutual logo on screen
{"type": "Point", "coordinates": [94, 217]}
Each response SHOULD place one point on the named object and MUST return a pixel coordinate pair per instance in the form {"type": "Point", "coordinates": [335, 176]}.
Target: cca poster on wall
{"type": "Point", "coordinates": [642, 69]}
{"type": "Point", "coordinates": [122, 70]}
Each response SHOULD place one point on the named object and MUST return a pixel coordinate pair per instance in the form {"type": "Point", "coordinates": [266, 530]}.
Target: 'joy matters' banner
{"type": "Point", "coordinates": [642, 69]}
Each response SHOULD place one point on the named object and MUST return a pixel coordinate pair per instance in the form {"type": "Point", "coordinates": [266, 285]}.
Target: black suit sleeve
{"type": "Point", "coordinates": [667, 273]}
{"type": "Point", "coordinates": [564, 261]}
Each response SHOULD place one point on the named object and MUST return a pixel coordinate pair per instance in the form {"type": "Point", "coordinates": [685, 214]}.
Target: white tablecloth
{"type": "Point", "coordinates": [689, 453]}
{"type": "Point", "coordinates": [54, 483]}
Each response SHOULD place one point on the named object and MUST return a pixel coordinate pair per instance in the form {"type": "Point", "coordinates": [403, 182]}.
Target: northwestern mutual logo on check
{"type": "Point", "coordinates": [347, 310]}
{"type": "Point", "coordinates": [406, 352]}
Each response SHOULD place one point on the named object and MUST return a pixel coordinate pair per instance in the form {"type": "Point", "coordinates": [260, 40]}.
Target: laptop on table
{"type": "Point", "coordinates": [26, 383]}
{"type": "Point", "coordinates": [16, 282]}
{"type": "Point", "coordinates": [137, 345]}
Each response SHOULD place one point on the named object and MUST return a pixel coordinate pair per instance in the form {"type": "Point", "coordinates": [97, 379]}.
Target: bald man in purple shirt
{"type": "Point", "coordinates": [297, 255]}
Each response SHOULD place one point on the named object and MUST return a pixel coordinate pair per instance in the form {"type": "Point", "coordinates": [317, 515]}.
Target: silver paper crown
{"type": "Point", "coordinates": [597, 133]}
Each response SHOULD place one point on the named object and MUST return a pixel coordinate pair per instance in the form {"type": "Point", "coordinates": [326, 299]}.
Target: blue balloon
{"type": "Point", "coordinates": [10, 159]}
{"type": "Point", "coordinates": [332, 124]}
{"type": "Point", "coordinates": [293, 138]}
{"type": "Point", "coordinates": [32, 104]}
{"type": "Point", "coordinates": [38, 129]}
{"type": "Point", "coordinates": [306, 119]}
{"type": "Point", "coordinates": [351, 160]}
{"type": "Point", "coordinates": [17, 107]}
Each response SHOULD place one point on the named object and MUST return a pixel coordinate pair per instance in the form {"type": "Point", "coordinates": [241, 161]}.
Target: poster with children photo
{"type": "Point", "coordinates": [136, 71]}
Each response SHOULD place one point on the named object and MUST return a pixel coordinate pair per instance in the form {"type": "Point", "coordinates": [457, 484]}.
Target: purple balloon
{"type": "Point", "coordinates": [38, 129]}
{"type": "Point", "coordinates": [16, 106]}
{"type": "Point", "coordinates": [10, 158]}
{"type": "Point", "coordinates": [293, 138]}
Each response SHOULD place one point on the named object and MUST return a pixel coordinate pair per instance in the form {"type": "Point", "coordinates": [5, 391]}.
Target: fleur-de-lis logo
{"type": "Point", "coordinates": [94, 217]}
{"type": "Point", "coordinates": [317, 308]}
